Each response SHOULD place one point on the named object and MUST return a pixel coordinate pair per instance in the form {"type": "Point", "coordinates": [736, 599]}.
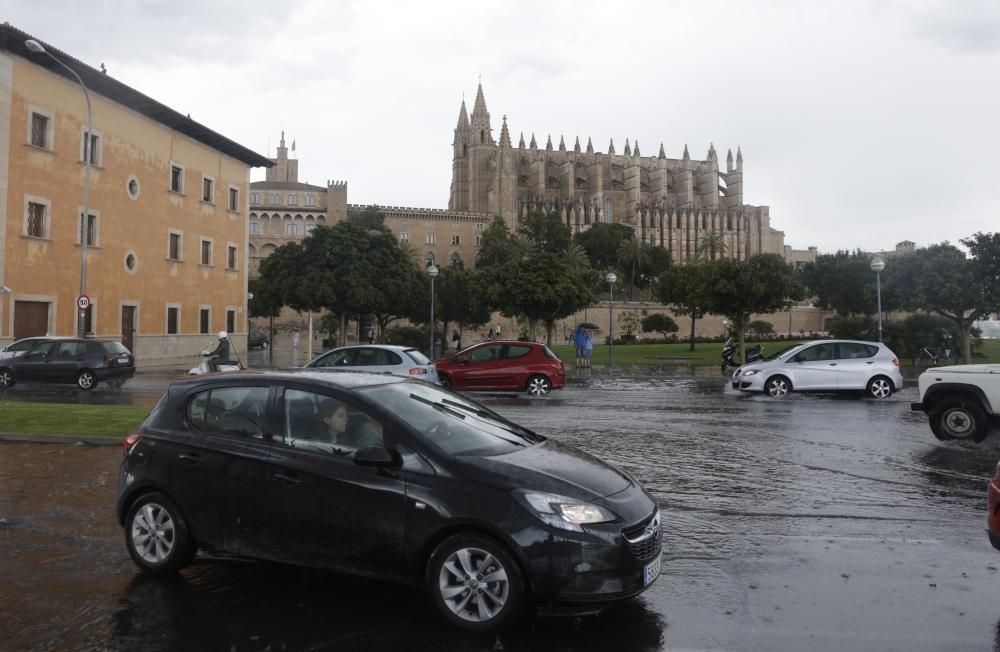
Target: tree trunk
{"type": "Point", "coordinates": [694, 316]}
{"type": "Point", "coordinates": [740, 326]}
{"type": "Point", "coordinates": [342, 334]}
{"type": "Point", "coordinates": [965, 340]}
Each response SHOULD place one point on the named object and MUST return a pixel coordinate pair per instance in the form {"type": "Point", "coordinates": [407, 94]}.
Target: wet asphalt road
{"type": "Point", "coordinates": [813, 522]}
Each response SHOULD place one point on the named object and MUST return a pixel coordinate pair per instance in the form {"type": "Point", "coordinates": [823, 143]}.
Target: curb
{"type": "Point", "coordinates": [42, 438]}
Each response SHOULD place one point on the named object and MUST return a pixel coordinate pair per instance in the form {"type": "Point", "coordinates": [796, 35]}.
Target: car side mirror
{"type": "Point", "coordinates": [376, 456]}
{"type": "Point", "coordinates": [463, 359]}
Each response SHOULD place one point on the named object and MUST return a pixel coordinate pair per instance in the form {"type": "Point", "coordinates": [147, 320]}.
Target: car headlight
{"type": "Point", "coordinates": [563, 512]}
{"type": "Point", "coordinates": [751, 372]}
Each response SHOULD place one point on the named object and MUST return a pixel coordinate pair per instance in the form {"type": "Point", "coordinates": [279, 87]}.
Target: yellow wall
{"type": "Point", "coordinates": [132, 145]}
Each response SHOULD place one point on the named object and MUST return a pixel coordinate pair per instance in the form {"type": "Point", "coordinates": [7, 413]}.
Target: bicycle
{"type": "Point", "coordinates": [934, 355]}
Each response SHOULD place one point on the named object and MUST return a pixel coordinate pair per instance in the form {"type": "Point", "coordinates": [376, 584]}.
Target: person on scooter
{"type": "Point", "coordinates": [220, 354]}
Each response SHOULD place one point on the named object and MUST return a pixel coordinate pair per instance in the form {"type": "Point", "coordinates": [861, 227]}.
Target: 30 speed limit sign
{"type": "Point", "coordinates": [83, 302]}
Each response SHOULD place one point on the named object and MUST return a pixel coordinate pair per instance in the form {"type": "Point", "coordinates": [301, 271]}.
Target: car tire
{"type": "Point", "coordinates": [457, 574]}
{"type": "Point", "coordinates": [959, 418]}
{"type": "Point", "coordinates": [86, 380]}
{"type": "Point", "coordinates": [6, 378]}
{"type": "Point", "coordinates": [879, 387]}
{"type": "Point", "coordinates": [445, 382]}
{"type": "Point", "coordinates": [777, 386]}
{"type": "Point", "coordinates": [538, 385]}
{"type": "Point", "coordinates": [157, 536]}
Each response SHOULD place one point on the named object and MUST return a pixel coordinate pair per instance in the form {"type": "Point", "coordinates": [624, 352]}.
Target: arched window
{"type": "Point", "coordinates": [456, 259]}
{"type": "Point", "coordinates": [609, 211]}
{"type": "Point", "coordinates": [482, 135]}
{"type": "Point", "coordinates": [429, 259]}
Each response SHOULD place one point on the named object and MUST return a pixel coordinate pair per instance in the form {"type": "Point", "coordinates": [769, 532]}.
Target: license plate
{"type": "Point", "coordinates": [123, 359]}
{"type": "Point", "coordinates": [651, 571]}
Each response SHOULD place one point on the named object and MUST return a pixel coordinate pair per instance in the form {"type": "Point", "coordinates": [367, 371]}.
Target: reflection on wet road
{"type": "Point", "coordinates": [808, 522]}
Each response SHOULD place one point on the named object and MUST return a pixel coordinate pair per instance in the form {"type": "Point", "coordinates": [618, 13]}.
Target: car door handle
{"type": "Point", "coordinates": [833, 364]}
{"type": "Point", "coordinates": [289, 480]}
{"type": "Point", "coordinates": [870, 362]}
{"type": "Point", "coordinates": [190, 458]}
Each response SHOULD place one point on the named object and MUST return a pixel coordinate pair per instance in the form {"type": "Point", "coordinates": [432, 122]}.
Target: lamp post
{"type": "Point", "coordinates": [432, 271]}
{"type": "Point", "coordinates": [610, 278]}
{"type": "Point", "coordinates": [88, 154]}
{"type": "Point", "coordinates": [877, 266]}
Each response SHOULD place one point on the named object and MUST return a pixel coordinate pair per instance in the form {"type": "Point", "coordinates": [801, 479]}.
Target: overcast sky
{"type": "Point", "coordinates": [862, 123]}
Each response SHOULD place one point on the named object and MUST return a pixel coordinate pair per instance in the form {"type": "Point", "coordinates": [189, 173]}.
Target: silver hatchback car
{"type": "Point", "coordinates": [378, 358]}
{"type": "Point", "coordinates": [824, 366]}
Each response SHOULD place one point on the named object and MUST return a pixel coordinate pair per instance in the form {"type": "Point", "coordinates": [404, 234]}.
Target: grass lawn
{"type": "Point", "coordinates": [70, 419]}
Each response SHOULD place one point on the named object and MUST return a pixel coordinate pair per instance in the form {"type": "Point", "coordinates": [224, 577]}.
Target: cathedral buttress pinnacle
{"type": "Point", "coordinates": [562, 144]}
{"type": "Point", "coordinates": [628, 150]}
{"type": "Point", "coordinates": [662, 154]}
{"type": "Point", "coordinates": [520, 145]}
{"type": "Point", "coordinates": [576, 146]}
{"type": "Point", "coordinates": [590, 146]}
{"type": "Point", "coordinates": [504, 135]}
{"type": "Point", "coordinates": [687, 157]}
{"type": "Point", "coordinates": [463, 117]}
{"type": "Point", "coordinates": [611, 147]}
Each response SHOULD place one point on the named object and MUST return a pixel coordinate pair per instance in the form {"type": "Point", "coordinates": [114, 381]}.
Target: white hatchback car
{"type": "Point", "coordinates": [824, 366]}
{"type": "Point", "coordinates": [378, 358]}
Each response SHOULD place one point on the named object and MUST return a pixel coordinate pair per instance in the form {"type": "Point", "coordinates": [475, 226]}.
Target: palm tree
{"type": "Point", "coordinates": [576, 257]}
{"type": "Point", "coordinates": [712, 243]}
{"type": "Point", "coordinates": [633, 253]}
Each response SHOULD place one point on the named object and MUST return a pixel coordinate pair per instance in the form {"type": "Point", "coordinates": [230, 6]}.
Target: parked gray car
{"type": "Point", "coordinates": [824, 365]}
{"type": "Point", "coordinates": [378, 358]}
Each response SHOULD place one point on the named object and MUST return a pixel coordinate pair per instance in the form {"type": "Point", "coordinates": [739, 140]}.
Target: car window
{"type": "Point", "coordinates": [326, 424]}
{"type": "Point", "coordinates": [70, 349]}
{"type": "Point", "coordinates": [418, 357]}
{"type": "Point", "coordinates": [817, 353]}
{"type": "Point", "coordinates": [338, 358]}
{"type": "Point", "coordinates": [448, 421]}
{"type": "Point", "coordinates": [23, 345]}
{"type": "Point", "coordinates": [368, 358]}
{"type": "Point", "coordinates": [389, 358]}
{"type": "Point", "coordinates": [40, 351]}
{"type": "Point", "coordinates": [549, 353]}
{"type": "Point", "coordinates": [517, 351]}
{"type": "Point", "coordinates": [856, 350]}
{"type": "Point", "coordinates": [239, 411]}
{"type": "Point", "coordinates": [114, 347]}
{"type": "Point", "coordinates": [784, 352]}
{"type": "Point", "coordinates": [486, 353]}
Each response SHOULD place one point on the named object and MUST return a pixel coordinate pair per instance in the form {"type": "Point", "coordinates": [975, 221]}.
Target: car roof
{"type": "Point", "coordinates": [390, 347]}
{"type": "Point", "coordinates": [844, 342]}
{"type": "Point", "coordinates": [338, 379]}
{"type": "Point", "coordinates": [521, 342]}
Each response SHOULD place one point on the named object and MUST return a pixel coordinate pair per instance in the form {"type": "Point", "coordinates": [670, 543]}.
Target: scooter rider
{"type": "Point", "coordinates": [220, 354]}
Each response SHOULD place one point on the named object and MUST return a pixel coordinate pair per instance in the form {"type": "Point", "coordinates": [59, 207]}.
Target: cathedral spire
{"type": "Point", "coordinates": [611, 147]}
{"type": "Point", "coordinates": [687, 157]}
{"type": "Point", "coordinates": [576, 146]}
{"type": "Point", "coordinates": [590, 146]}
{"type": "Point", "coordinates": [662, 154]}
{"type": "Point", "coordinates": [548, 145]}
{"type": "Point", "coordinates": [562, 143]}
{"type": "Point", "coordinates": [520, 145]}
{"type": "Point", "coordinates": [636, 152]}
{"type": "Point", "coordinates": [282, 138]}
{"type": "Point", "coordinates": [504, 135]}
{"type": "Point", "coordinates": [712, 156]}
{"type": "Point", "coordinates": [533, 145]}
{"type": "Point", "coordinates": [481, 118]}
{"type": "Point", "coordinates": [463, 117]}
{"type": "Point", "coordinates": [628, 150]}
{"type": "Point", "coordinates": [729, 160]}
{"type": "Point", "coordinates": [739, 158]}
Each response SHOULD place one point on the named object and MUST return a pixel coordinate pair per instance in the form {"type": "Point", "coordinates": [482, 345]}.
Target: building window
{"type": "Point", "coordinates": [36, 220]}
{"type": "Point", "coordinates": [254, 198]}
{"type": "Point", "coordinates": [88, 319]}
{"type": "Point", "coordinates": [429, 258]}
{"type": "Point", "coordinates": [310, 228]}
{"type": "Point", "coordinates": [173, 319]}
{"type": "Point", "coordinates": [293, 200]}
{"type": "Point", "coordinates": [206, 252]}
{"type": "Point", "coordinates": [429, 238]}
{"type": "Point", "coordinates": [132, 187]}
{"type": "Point", "coordinates": [234, 199]}
{"type": "Point", "coordinates": [479, 241]}
{"type": "Point", "coordinates": [310, 200]}
{"type": "Point", "coordinates": [404, 236]}
{"type": "Point", "coordinates": [291, 229]}
{"type": "Point", "coordinates": [275, 199]}
{"type": "Point", "coordinates": [230, 320]}
{"type": "Point", "coordinates": [90, 148]}
{"type": "Point", "coordinates": [91, 225]}
{"type": "Point", "coordinates": [254, 228]}
{"type": "Point", "coordinates": [174, 246]}
{"type": "Point", "coordinates": [208, 190]}
{"type": "Point", "coordinates": [41, 130]}
{"type": "Point", "coordinates": [204, 320]}
{"type": "Point", "coordinates": [456, 240]}
{"type": "Point", "coordinates": [479, 226]}
{"type": "Point", "coordinates": [176, 178]}
{"type": "Point", "coordinates": [231, 257]}
{"type": "Point", "coordinates": [609, 211]}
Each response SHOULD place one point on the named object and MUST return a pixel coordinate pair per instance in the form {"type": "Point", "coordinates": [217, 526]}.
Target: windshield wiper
{"type": "Point", "coordinates": [512, 427]}
{"type": "Point", "coordinates": [438, 406]}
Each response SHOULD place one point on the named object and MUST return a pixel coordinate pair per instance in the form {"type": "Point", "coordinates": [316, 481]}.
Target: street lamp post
{"type": "Point", "coordinates": [432, 271]}
{"type": "Point", "coordinates": [877, 266]}
{"type": "Point", "coordinates": [88, 154]}
{"type": "Point", "coordinates": [611, 278]}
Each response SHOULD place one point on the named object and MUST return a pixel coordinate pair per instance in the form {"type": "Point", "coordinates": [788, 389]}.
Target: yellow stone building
{"type": "Point", "coordinates": [167, 231]}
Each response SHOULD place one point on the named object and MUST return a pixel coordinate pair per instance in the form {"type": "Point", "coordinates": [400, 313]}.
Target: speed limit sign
{"type": "Point", "coordinates": [83, 302]}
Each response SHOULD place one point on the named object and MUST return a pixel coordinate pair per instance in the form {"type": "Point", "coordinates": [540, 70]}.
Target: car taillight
{"type": "Point", "coordinates": [895, 361]}
{"type": "Point", "coordinates": [109, 360]}
{"type": "Point", "coordinates": [418, 371]}
{"type": "Point", "coordinates": [131, 441]}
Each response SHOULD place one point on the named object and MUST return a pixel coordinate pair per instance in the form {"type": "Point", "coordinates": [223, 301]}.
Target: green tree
{"type": "Point", "coordinates": [545, 233]}
{"type": "Point", "coordinates": [759, 328]}
{"type": "Point", "coordinates": [458, 299]}
{"type": "Point", "coordinates": [711, 243]}
{"type": "Point", "coordinates": [633, 254]}
{"type": "Point", "coordinates": [658, 261]}
{"type": "Point", "coordinates": [575, 258]}
{"type": "Point", "coordinates": [602, 241]}
{"type": "Point", "coordinates": [497, 246]}
{"type": "Point", "coordinates": [985, 251]}
{"type": "Point", "coordinates": [266, 302]}
{"type": "Point", "coordinates": [941, 279]}
{"type": "Point", "coordinates": [659, 323]}
{"type": "Point", "coordinates": [843, 282]}
{"type": "Point", "coordinates": [370, 218]}
{"type": "Point", "coordinates": [629, 322]}
{"type": "Point", "coordinates": [684, 289]}
{"type": "Point", "coordinates": [539, 287]}
{"type": "Point", "coordinates": [737, 289]}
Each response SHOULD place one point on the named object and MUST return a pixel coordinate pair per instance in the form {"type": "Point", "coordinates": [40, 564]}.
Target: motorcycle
{"type": "Point", "coordinates": [729, 359]}
{"type": "Point", "coordinates": [204, 367]}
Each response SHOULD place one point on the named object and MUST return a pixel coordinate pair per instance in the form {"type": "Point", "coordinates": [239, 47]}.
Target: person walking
{"type": "Point", "coordinates": [371, 335]}
{"type": "Point", "coordinates": [498, 331]}
{"type": "Point", "coordinates": [457, 339]}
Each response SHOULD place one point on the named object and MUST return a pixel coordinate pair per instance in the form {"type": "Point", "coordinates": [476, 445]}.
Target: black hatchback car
{"type": "Point", "coordinates": [68, 360]}
{"type": "Point", "coordinates": [390, 478]}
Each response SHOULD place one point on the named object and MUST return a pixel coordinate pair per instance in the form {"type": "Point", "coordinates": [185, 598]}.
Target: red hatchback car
{"type": "Point", "coordinates": [993, 521]}
{"type": "Point", "coordinates": [504, 366]}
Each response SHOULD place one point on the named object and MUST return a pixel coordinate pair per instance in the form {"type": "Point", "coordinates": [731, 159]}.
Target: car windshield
{"type": "Point", "coordinates": [450, 422]}
{"type": "Point", "coordinates": [784, 352]}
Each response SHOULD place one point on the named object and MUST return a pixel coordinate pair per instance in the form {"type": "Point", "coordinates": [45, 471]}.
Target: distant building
{"type": "Point", "coordinates": [167, 222]}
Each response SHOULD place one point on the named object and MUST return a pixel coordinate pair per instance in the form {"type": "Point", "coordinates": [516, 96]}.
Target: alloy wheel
{"type": "Point", "coordinates": [153, 533]}
{"type": "Point", "coordinates": [539, 386]}
{"type": "Point", "coordinates": [880, 388]}
{"type": "Point", "coordinates": [473, 585]}
{"type": "Point", "coordinates": [6, 378]}
{"type": "Point", "coordinates": [777, 387]}
{"type": "Point", "coordinates": [86, 380]}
